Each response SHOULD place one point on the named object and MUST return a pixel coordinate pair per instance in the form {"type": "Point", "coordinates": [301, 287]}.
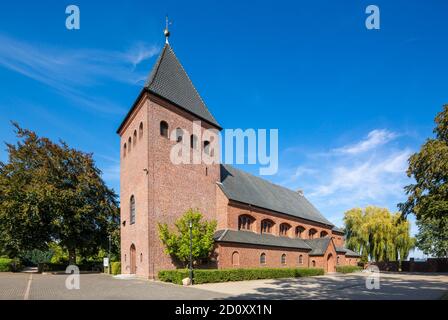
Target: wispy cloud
{"type": "Point", "coordinates": [368, 171]}
{"type": "Point", "coordinates": [373, 140]}
{"type": "Point", "coordinates": [70, 71]}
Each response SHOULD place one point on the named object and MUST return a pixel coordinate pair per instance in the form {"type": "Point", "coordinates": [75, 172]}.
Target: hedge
{"type": "Point", "coordinates": [53, 267]}
{"type": "Point", "coordinates": [224, 275]}
{"type": "Point", "coordinates": [10, 265]}
{"type": "Point", "coordinates": [115, 268]}
{"type": "Point", "coordinates": [348, 269]}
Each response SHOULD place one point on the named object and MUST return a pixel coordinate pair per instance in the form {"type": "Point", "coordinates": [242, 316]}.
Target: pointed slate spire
{"type": "Point", "coordinates": [169, 80]}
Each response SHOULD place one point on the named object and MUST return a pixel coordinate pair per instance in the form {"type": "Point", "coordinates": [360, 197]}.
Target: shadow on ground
{"type": "Point", "coordinates": [353, 287]}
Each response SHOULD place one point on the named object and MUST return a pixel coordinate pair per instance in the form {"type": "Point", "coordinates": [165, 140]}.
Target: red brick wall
{"type": "Point", "coordinates": [235, 210]}
{"type": "Point", "coordinates": [249, 257]}
{"type": "Point", "coordinates": [133, 181]}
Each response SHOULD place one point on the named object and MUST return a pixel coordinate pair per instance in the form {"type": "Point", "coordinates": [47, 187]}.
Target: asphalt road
{"type": "Point", "coordinates": [24, 286]}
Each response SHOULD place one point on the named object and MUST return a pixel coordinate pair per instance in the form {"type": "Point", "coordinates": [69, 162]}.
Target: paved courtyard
{"type": "Point", "coordinates": [99, 286]}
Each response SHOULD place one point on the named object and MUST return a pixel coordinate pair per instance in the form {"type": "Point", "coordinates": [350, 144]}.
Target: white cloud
{"type": "Point", "coordinates": [374, 139]}
{"type": "Point", "coordinates": [70, 71]}
{"type": "Point", "coordinates": [367, 172]}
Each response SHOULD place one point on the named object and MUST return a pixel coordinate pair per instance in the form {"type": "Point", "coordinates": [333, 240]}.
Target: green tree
{"type": "Point", "coordinates": [51, 192]}
{"type": "Point", "coordinates": [377, 234]}
{"type": "Point", "coordinates": [432, 237]}
{"type": "Point", "coordinates": [177, 244]}
{"type": "Point", "coordinates": [428, 196]}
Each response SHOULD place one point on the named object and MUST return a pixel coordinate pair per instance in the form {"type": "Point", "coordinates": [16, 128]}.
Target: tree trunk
{"type": "Point", "coordinates": [72, 256]}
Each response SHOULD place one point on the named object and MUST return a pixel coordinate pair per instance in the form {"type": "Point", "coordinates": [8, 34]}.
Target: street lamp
{"type": "Point", "coordinates": [108, 256]}
{"type": "Point", "coordinates": [191, 251]}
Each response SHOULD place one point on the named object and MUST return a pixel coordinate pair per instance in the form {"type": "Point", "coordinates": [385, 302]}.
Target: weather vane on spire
{"type": "Point", "coordinates": [166, 31]}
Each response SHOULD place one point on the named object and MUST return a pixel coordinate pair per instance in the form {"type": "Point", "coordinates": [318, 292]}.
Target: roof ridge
{"type": "Point", "coordinates": [276, 185]}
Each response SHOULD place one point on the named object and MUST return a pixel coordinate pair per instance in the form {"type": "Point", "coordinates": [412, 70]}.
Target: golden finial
{"type": "Point", "coordinates": [166, 31]}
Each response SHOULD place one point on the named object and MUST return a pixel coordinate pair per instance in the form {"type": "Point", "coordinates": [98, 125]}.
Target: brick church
{"type": "Point", "coordinates": [258, 223]}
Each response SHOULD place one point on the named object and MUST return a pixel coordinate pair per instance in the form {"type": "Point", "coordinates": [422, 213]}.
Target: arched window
{"type": "Point", "coordinates": [193, 142]}
{"type": "Point", "coordinates": [207, 147]}
{"type": "Point", "coordinates": [323, 234]}
{"type": "Point", "coordinates": [245, 222]}
{"type": "Point", "coordinates": [301, 259]}
{"type": "Point", "coordinates": [284, 229]}
{"type": "Point", "coordinates": [164, 129]}
{"type": "Point", "coordinates": [132, 210]}
{"type": "Point", "coordinates": [135, 137]}
{"type": "Point", "coordinates": [263, 258]}
{"type": "Point", "coordinates": [313, 264]}
{"type": "Point", "coordinates": [129, 144]}
{"type": "Point", "coordinates": [235, 258]}
{"type": "Point", "coordinates": [299, 231]}
{"type": "Point", "coordinates": [141, 257]}
{"type": "Point", "coordinates": [312, 233]}
{"type": "Point", "coordinates": [140, 130]}
{"type": "Point", "coordinates": [337, 260]}
{"type": "Point", "coordinates": [125, 148]}
{"type": "Point", "coordinates": [283, 259]}
{"type": "Point", "coordinates": [266, 226]}
{"type": "Point", "coordinates": [179, 135]}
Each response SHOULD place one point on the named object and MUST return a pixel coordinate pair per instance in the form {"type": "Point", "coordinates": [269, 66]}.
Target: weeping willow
{"type": "Point", "coordinates": [377, 234]}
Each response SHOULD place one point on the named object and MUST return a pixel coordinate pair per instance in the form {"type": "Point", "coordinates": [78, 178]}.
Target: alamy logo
{"type": "Point", "coordinates": [373, 20]}
{"type": "Point", "coordinates": [73, 21]}
{"type": "Point", "coordinates": [248, 146]}
{"type": "Point", "coordinates": [73, 281]}
{"type": "Point", "coordinates": [373, 279]}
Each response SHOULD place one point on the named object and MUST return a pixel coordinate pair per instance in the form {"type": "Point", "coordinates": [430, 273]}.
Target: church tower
{"type": "Point", "coordinates": [153, 189]}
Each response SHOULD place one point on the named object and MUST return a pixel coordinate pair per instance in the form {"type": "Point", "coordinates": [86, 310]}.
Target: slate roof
{"type": "Point", "coordinates": [249, 237]}
{"type": "Point", "coordinates": [169, 80]}
{"type": "Point", "coordinates": [243, 187]}
{"type": "Point", "coordinates": [336, 229]}
{"type": "Point", "coordinates": [316, 247]}
{"type": "Point", "coordinates": [319, 246]}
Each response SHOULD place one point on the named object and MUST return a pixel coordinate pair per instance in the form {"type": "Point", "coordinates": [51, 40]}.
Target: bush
{"type": "Point", "coordinates": [10, 265]}
{"type": "Point", "coordinates": [115, 268]}
{"type": "Point", "coordinates": [224, 275]}
{"type": "Point", "coordinates": [36, 257]}
{"type": "Point", "coordinates": [348, 269]}
{"type": "Point", "coordinates": [54, 267]}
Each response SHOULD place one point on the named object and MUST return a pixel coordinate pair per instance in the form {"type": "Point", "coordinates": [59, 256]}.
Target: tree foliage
{"type": "Point", "coordinates": [377, 234]}
{"type": "Point", "coordinates": [177, 244]}
{"type": "Point", "coordinates": [432, 237]}
{"type": "Point", "coordinates": [428, 196]}
{"type": "Point", "coordinates": [51, 192]}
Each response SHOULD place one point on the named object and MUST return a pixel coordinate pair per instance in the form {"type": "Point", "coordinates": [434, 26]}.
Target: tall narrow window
{"type": "Point", "coordinates": [283, 259]}
{"type": "Point", "coordinates": [132, 210]}
{"type": "Point", "coordinates": [135, 137]}
{"type": "Point", "coordinates": [263, 258]}
{"type": "Point", "coordinates": [235, 258]}
{"type": "Point", "coordinates": [125, 148]}
{"type": "Point", "coordinates": [300, 259]}
{"type": "Point", "coordinates": [140, 130]}
{"type": "Point", "coordinates": [129, 144]}
{"type": "Point", "coordinates": [207, 147]}
{"type": "Point", "coordinates": [179, 135]}
{"type": "Point", "coordinates": [193, 141]}
{"type": "Point", "coordinates": [313, 263]}
{"type": "Point", "coordinates": [164, 129]}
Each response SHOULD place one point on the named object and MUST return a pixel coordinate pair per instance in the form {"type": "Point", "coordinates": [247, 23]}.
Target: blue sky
{"type": "Point", "coordinates": [350, 104]}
